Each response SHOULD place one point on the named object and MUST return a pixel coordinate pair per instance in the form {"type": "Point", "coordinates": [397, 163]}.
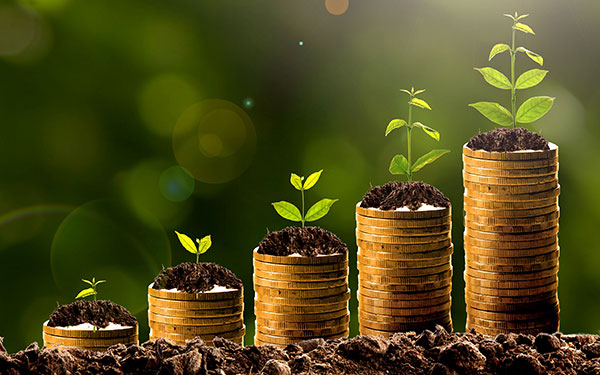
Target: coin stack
{"type": "Point", "coordinates": [181, 316]}
{"type": "Point", "coordinates": [511, 240]}
{"type": "Point", "coordinates": [98, 340]}
{"type": "Point", "coordinates": [299, 298]}
{"type": "Point", "coordinates": [405, 270]}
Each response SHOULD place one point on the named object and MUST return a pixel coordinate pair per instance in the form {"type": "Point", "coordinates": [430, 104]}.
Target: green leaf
{"type": "Point", "coordinates": [419, 92]}
{"type": "Point", "coordinates": [524, 28]}
{"type": "Point", "coordinates": [510, 16]}
{"type": "Point", "coordinates": [429, 131]}
{"type": "Point", "coordinates": [319, 209]}
{"type": "Point", "coordinates": [204, 244]}
{"type": "Point", "coordinates": [495, 78]}
{"type": "Point", "coordinates": [87, 282]}
{"type": "Point", "coordinates": [399, 165]}
{"type": "Point", "coordinates": [296, 181]}
{"type": "Point", "coordinates": [288, 211]}
{"type": "Point", "coordinates": [86, 293]}
{"type": "Point", "coordinates": [394, 124]}
{"type": "Point", "coordinates": [494, 112]}
{"type": "Point", "coordinates": [498, 48]}
{"type": "Point", "coordinates": [419, 103]}
{"type": "Point", "coordinates": [312, 180]}
{"type": "Point", "coordinates": [406, 91]}
{"type": "Point", "coordinates": [534, 108]}
{"type": "Point", "coordinates": [530, 78]}
{"type": "Point", "coordinates": [532, 55]}
{"type": "Point", "coordinates": [187, 243]}
{"type": "Point", "coordinates": [428, 158]}
{"type": "Point", "coordinates": [100, 282]}
{"type": "Point", "coordinates": [522, 16]}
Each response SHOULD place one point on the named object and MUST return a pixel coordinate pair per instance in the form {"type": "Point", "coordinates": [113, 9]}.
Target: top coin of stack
{"type": "Point", "coordinates": [511, 240]}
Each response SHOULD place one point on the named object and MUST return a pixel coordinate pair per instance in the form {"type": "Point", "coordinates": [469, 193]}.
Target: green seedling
{"type": "Point", "coordinates": [203, 244]}
{"type": "Point", "coordinates": [400, 164]}
{"type": "Point", "coordinates": [533, 108]}
{"type": "Point", "coordinates": [317, 211]}
{"type": "Point", "coordinates": [90, 291]}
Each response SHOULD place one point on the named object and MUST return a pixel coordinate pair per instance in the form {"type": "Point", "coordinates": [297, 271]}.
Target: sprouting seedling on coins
{"type": "Point", "coordinates": [203, 244]}
{"type": "Point", "coordinates": [91, 291]}
{"type": "Point", "coordinates": [318, 210]}
{"type": "Point", "coordinates": [533, 108]}
{"type": "Point", "coordinates": [401, 164]}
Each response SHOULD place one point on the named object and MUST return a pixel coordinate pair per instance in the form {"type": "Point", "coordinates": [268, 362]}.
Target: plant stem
{"type": "Point", "coordinates": [513, 55]}
{"type": "Point", "coordinates": [302, 190]}
{"type": "Point", "coordinates": [408, 132]}
{"type": "Point", "coordinates": [197, 257]}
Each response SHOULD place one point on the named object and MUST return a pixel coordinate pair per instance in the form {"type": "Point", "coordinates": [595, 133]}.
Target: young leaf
{"type": "Point", "coordinates": [419, 103]}
{"type": "Point", "coordinates": [428, 158]}
{"type": "Point", "coordinates": [394, 124]}
{"type": "Point", "coordinates": [399, 165]}
{"type": "Point", "coordinates": [524, 28]}
{"type": "Point", "coordinates": [495, 78]}
{"type": "Point", "coordinates": [319, 209]}
{"type": "Point", "coordinates": [100, 282]}
{"type": "Point", "coordinates": [532, 55]}
{"type": "Point", "coordinates": [530, 78]}
{"type": "Point", "coordinates": [86, 293]}
{"type": "Point", "coordinates": [296, 181]}
{"type": "Point", "coordinates": [419, 92]}
{"type": "Point", "coordinates": [522, 16]}
{"type": "Point", "coordinates": [87, 282]}
{"type": "Point", "coordinates": [510, 16]}
{"type": "Point", "coordinates": [187, 243]}
{"type": "Point", "coordinates": [494, 112]}
{"type": "Point", "coordinates": [534, 108]}
{"type": "Point", "coordinates": [312, 180]}
{"type": "Point", "coordinates": [205, 244]}
{"type": "Point", "coordinates": [498, 48]}
{"type": "Point", "coordinates": [406, 91]}
{"type": "Point", "coordinates": [288, 211]}
{"type": "Point", "coordinates": [429, 131]}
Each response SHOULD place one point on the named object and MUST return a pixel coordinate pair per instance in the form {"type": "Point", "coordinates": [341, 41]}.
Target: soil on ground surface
{"type": "Point", "coordinates": [196, 278]}
{"type": "Point", "coordinates": [98, 313]}
{"type": "Point", "coordinates": [308, 241]}
{"type": "Point", "coordinates": [507, 140]}
{"type": "Point", "coordinates": [411, 194]}
{"type": "Point", "coordinates": [426, 353]}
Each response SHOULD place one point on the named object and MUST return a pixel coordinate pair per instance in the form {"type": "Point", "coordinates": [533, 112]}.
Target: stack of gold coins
{"type": "Point", "coordinates": [181, 316]}
{"type": "Point", "coordinates": [511, 240]}
{"type": "Point", "coordinates": [98, 340]}
{"type": "Point", "coordinates": [405, 269]}
{"type": "Point", "coordinates": [299, 298]}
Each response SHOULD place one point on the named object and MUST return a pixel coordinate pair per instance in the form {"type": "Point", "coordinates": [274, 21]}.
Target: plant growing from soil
{"type": "Point", "coordinates": [533, 108]}
{"type": "Point", "coordinates": [318, 210]}
{"type": "Point", "coordinates": [400, 164]}
{"type": "Point", "coordinates": [90, 291]}
{"type": "Point", "coordinates": [203, 244]}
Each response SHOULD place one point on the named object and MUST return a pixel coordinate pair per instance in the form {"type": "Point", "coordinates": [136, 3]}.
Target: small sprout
{"type": "Point", "coordinates": [90, 291]}
{"type": "Point", "coordinates": [533, 108]}
{"type": "Point", "coordinates": [400, 164]}
{"type": "Point", "coordinates": [317, 211]}
{"type": "Point", "coordinates": [203, 244]}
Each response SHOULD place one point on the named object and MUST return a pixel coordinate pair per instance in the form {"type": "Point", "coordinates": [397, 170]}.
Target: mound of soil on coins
{"type": "Point", "coordinates": [308, 241]}
{"type": "Point", "coordinates": [436, 352]}
{"type": "Point", "coordinates": [98, 313]}
{"type": "Point", "coordinates": [196, 278]}
{"type": "Point", "coordinates": [507, 140]}
{"type": "Point", "coordinates": [411, 194]}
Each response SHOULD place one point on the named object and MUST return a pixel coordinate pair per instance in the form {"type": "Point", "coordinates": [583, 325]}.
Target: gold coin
{"type": "Point", "coordinates": [195, 330]}
{"type": "Point", "coordinates": [289, 293]}
{"type": "Point", "coordinates": [406, 256]}
{"type": "Point", "coordinates": [385, 279]}
{"type": "Point", "coordinates": [203, 296]}
{"type": "Point", "coordinates": [403, 223]}
{"type": "Point", "coordinates": [404, 232]}
{"type": "Point", "coordinates": [511, 261]}
{"type": "Point", "coordinates": [525, 197]}
{"type": "Point", "coordinates": [261, 338]}
{"type": "Point", "coordinates": [495, 205]}
{"type": "Point", "coordinates": [512, 316]}
{"type": "Point", "coordinates": [88, 342]}
{"type": "Point", "coordinates": [511, 276]}
{"type": "Point", "coordinates": [509, 284]}
{"type": "Point", "coordinates": [404, 287]}
{"type": "Point", "coordinates": [404, 272]}
{"type": "Point", "coordinates": [403, 248]}
{"type": "Point", "coordinates": [182, 338]}
{"type": "Point", "coordinates": [511, 173]}
{"type": "Point", "coordinates": [305, 318]}
{"type": "Point", "coordinates": [510, 245]}
{"type": "Point", "coordinates": [508, 190]}
{"type": "Point", "coordinates": [203, 313]}
{"type": "Point", "coordinates": [511, 228]}
{"type": "Point", "coordinates": [207, 341]}
{"type": "Point", "coordinates": [551, 328]}
{"type": "Point", "coordinates": [512, 292]}
{"type": "Point", "coordinates": [290, 326]}
{"type": "Point", "coordinates": [550, 319]}
{"type": "Point", "coordinates": [306, 333]}
{"type": "Point", "coordinates": [87, 334]}
{"type": "Point", "coordinates": [514, 307]}
{"type": "Point", "coordinates": [508, 181]}
{"type": "Point", "coordinates": [194, 321]}
{"type": "Point", "coordinates": [195, 305]}
{"type": "Point", "coordinates": [471, 296]}
{"type": "Point", "coordinates": [492, 236]}
{"type": "Point", "coordinates": [402, 304]}
{"type": "Point", "coordinates": [367, 261]}
{"type": "Point", "coordinates": [298, 285]}
{"type": "Point", "coordinates": [364, 316]}
{"type": "Point", "coordinates": [514, 155]}
{"type": "Point", "coordinates": [324, 276]}
{"type": "Point", "coordinates": [440, 238]}
{"type": "Point", "coordinates": [300, 260]}
{"type": "Point", "coordinates": [300, 268]}
{"type": "Point", "coordinates": [502, 213]}
{"type": "Point", "coordinates": [419, 327]}
{"type": "Point", "coordinates": [282, 309]}
{"type": "Point", "coordinates": [317, 301]}
{"type": "Point", "coordinates": [397, 214]}
{"type": "Point", "coordinates": [512, 253]}
{"type": "Point", "coordinates": [407, 312]}
{"type": "Point", "coordinates": [497, 164]}
{"type": "Point", "coordinates": [405, 296]}
{"type": "Point", "coordinates": [512, 269]}
{"type": "Point", "coordinates": [523, 221]}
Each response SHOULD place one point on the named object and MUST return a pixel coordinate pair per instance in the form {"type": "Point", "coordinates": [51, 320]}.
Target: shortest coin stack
{"type": "Point", "coordinates": [181, 316]}
{"type": "Point", "coordinates": [299, 298]}
{"type": "Point", "coordinates": [510, 239]}
{"type": "Point", "coordinates": [405, 270]}
{"type": "Point", "coordinates": [98, 340]}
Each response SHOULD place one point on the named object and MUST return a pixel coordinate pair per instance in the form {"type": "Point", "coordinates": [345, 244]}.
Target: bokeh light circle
{"type": "Point", "coordinates": [248, 103]}
{"type": "Point", "coordinates": [215, 141]}
{"type": "Point", "coordinates": [176, 184]}
{"type": "Point", "coordinates": [17, 29]}
{"type": "Point", "coordinates": [337, 7]}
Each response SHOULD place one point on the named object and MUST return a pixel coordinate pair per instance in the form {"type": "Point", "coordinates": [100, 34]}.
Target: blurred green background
{"type": "Point", "coordinates": [104, 102]}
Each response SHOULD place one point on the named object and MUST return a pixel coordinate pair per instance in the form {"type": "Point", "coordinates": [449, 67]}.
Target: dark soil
{"type": "Point", "coordinates": [507, 140]}
{"type": "Point", "coordinates": [411, 194]}
{"type": "Point", "coordinates": [427, 353]}
{"type": "Point", "coordinates": [98, 313]}
{"type": "Point", "coordinates": [196, 278]}
{"type": "Point", "coordinates": [308, 241]}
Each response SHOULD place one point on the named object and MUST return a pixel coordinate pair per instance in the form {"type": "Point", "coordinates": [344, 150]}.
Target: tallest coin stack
{"type": "Point", "coordinates": [511, 240]}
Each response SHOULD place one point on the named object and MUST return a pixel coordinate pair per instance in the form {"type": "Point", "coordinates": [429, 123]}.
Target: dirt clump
{"type": "Point", "coordinates": [308, 241]}
{"type": "Point", "coordinates": [507, 140]}
{"type": "Point", "coordinates": [196, 278]}
{"type": "Point", "coordinates": [411, 194]}
{"type": "Point", "coordinates": [98, 313]}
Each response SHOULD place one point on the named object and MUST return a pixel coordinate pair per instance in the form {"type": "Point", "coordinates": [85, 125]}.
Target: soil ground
{"type": "Point", "coordinates": [506, 140]}
{"type": "Point", "coordinates": [308, 241]}
{"type": "Point", "coordinates": [411, 194]}
{"type": "Point", "coordinates": [427, 353]}
{"type": "Point", "coordinates": [196, 278]}
{"type": "Point", "coordinates": [99, 313]}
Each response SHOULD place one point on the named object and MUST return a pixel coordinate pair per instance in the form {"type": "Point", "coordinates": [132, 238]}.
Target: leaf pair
{"type": "Point", "coordinates": [400, 165]}
{"type": "Point", "coordinates": [531, 110]}
{"type": "Point", "coordinates": [398, 123]}
{"type": "Point", "coordinates": [203, 245]}
{"type": "Point", "coordinates": [526, 80]}
{"type": "Point", "coordinates": [299, 183]}
{"type": "Point", "coordinates": [89, 291]}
